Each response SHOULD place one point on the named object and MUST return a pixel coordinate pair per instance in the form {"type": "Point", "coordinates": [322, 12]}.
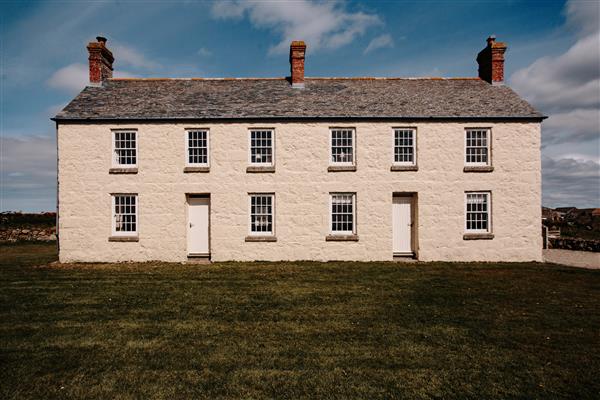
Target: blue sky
{"type": "Point", "coordinates": [552, 61]}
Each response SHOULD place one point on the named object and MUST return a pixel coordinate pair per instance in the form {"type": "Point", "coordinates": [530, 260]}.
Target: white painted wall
{"type": "Point", "coordinates": [302, 184]}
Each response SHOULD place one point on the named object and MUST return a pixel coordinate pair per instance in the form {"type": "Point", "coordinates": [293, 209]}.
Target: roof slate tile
{"type": "Point", "coordinates": [402, 98]}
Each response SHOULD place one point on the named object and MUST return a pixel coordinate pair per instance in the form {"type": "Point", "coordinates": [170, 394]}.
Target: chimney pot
{"type": "Point", "coordinates": [297, 55]}
{"type": "Point", "coordinates": [100, 61]}
{"type": "Point", "coordinates": [491, 61]}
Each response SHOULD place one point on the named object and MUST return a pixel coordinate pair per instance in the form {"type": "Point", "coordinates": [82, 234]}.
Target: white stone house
{"type": "Point", "coordinates": [299, 168]}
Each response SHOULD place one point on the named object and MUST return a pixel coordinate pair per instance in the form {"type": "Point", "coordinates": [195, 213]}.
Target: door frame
{"type": "Point", "coordinates": [189, 196]}
{"type": "Point", "coordinates": [414, 238]}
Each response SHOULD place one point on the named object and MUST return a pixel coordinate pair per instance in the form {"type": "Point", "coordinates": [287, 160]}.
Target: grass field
{"type": "Point", "coordinates": [295, 330]}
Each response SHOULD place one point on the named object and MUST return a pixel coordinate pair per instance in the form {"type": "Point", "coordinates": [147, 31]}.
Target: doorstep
{"type": "Point", "coordinates": [198, 258]}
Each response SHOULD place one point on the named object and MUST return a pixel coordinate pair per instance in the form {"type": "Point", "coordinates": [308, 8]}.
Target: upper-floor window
{"type": "Point", "coordinates": [404, 146]}
{"type": "Point", "coordinates": [477, 212]}
{"type": "Point", "coordinates": [124, 215]}
{"type": "Point", "coordinates": [342, 146]}
{"type": "Point", "coordinates": [477, 147]}
{"type": "Point", "coordinates": [261, 147]}
{"type": "Point", "coordinates": [197, 146]}
{"type": "Point", "coordinates": [124, 149]}
{"type": "Point", "coordinates": [342, 213]}
{"type": "Point", "coordinates": [261, 214]}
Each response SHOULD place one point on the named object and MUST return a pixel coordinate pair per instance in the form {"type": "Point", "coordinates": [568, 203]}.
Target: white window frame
{"type": "Point", "coordinates": [345, 163]}
{"type": "Point", "coordinates": [187, 147]}
{"type": "Point", "coordinates": [113, 214]}
{"type": "Point", "coordinates": [113, 139]}
{"type": "Point", "coordinates": [261, 164]}
{"type": "Point", "coordinates": [414, 146]}
{"type": "Point", "coordinates": [488, 147]}
{"type": "Point", "coordinates": [272, 232]}
{"type": "Point", "coordinates": [488, 196]}
{"type": "Point", "coordinates": [342, 233]}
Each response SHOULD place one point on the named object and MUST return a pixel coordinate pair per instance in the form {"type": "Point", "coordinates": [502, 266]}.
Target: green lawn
{"type": "Point", "coordinates": [295, 330]}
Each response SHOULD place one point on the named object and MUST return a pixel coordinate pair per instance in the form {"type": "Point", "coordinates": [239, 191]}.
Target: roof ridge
{"type": "Point", "coordinates": [350, 78]}
{"type": "Point", "coordinates": [196, 79]}
{"type": "Point", "coordinates": [393, 78]}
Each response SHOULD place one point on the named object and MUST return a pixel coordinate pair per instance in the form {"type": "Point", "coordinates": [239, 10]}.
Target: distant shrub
{"type": "Point", "coordinates": [18, 219]}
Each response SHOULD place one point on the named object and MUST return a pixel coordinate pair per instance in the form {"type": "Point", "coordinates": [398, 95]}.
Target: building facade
{"type": "Point", "coordinates": [299, 168]}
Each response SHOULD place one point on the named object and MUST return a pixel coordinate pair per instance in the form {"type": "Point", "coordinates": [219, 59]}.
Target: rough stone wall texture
{"type": "Point", "coordinates": [27, 234]}
{"type": "Point", "coordinates": [574, 244]}
{"type": "Point", "coordinates": [302, 186]}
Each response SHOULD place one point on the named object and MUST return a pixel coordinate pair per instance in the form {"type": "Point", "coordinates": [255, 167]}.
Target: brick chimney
{"type": "Point", "coordinates": [491, 61]}
{"type": "Point", "coordinates": [297, 52]}
{"type": "Point", "coordinates": [101, 61]}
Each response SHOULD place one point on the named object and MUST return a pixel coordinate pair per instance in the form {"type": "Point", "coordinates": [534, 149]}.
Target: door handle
{"type": "Point", "coordinates": [191, 225]}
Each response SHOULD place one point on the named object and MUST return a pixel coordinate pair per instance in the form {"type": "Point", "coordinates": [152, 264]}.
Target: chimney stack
{"type": "Point", "coordinates": [491, 61]}
{"type": "Point", "coordinates": [297, 52]}
{"type": "Point", "coordinates": [101, 61]}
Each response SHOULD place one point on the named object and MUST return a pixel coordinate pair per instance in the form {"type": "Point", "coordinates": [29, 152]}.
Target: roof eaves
{"type": "Point", "coordinates": [532, 118]}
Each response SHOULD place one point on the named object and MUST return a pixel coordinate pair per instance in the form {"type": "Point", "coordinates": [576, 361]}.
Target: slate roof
{"type": "Point", "coordinates": [326, 98]}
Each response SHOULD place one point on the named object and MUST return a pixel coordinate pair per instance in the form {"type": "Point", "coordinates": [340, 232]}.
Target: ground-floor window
{"type": "Point", "coordinates": [124, 216]}
{"type": "Point", "coordinates": [477, 215]}
{"type": "Point", "coordinates": [261, 213]}
{"type": "Point", "coordinates": [342, 212]}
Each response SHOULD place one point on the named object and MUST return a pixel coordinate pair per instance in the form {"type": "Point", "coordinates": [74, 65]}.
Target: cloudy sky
{"type": "Point", "coordinates": [553, 61]}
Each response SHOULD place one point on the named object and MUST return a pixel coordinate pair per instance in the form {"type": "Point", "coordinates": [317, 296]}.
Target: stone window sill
{"type": "Point", "coordinates": [341, 238]}
{"type": "Point", "coordinates": [404, 168]}
{"type": "Point", "coordinates": [123, 239]}
{"type": "Point", "coordinates": [261, 238]}
{"type": "Point", "coordinates": [196, 169]}
{"type": "Point", "coordinates": [478, 236]}
{"type": "Point", "coordinates": [478, 168]}
{"type": "Point", "coordinates": [123, 171]}
{"type": "Point", "coordinates": [259, 169]}
{"type": "Point", "coordinates": [341, 168]}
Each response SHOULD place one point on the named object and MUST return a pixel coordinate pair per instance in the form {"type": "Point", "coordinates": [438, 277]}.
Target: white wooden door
{"type": "Point", "coordinates": [402, 224]}
{"type": "Point", "coordinates": [198, 225]}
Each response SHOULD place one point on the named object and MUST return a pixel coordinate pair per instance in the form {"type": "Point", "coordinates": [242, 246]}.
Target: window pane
{"type": "Point", "coordinates": [404, 144]}
{"type": "Point", "coordinates": [125, 148]}
{"type": "Point", "coordinates": [477, 217]}
{"type": "Point", "coordinates": [477, 146]}
{"type": "Point", "coordinates": [342, 147]}
{"type": "Point", "coordinates": [125, 217]}
{"type": "Point", "coordinates": [342, 212]}
{"type": "Point", "coordinates": [198, 147]}
{"type": "Point", "coordinates": [261, 147]}
{"type": "Point", "coordinates": [261, 213]}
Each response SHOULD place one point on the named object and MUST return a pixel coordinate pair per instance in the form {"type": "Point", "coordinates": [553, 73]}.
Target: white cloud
{"type": "Point", "coordinates": [71, 78]}
{"type": "Point", "coordinates": [572, 126]}
{"type": "Point", "coordinates": [569, 181]}
{"type": "Point", "coordinates": [130, 56]}
{"type": "Point", "coordinates": [323, 25]}
{"type": "Point", "coordinates": [380, 42]}
{"type": "Point", "coordinates": [228, 9]}
{"type": "Point", "coordinates": [28, 169]}
{"type": "Point", "coordinates": [567, 88]}
{"type": "Point", "coordinates": [204, 52]}
{"type": "Point", "coordinates": [583, 16]}
{"type": "Point", "coordinates": [569, 80]}
{"type": "Point", "coordinates": [74, 77]}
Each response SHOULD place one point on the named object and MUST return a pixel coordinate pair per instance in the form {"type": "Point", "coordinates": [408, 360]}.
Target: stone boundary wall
{"type": "Point", "coordinates": [27, 234]}
{"type": "Point", "coordinates": [574, 244]}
